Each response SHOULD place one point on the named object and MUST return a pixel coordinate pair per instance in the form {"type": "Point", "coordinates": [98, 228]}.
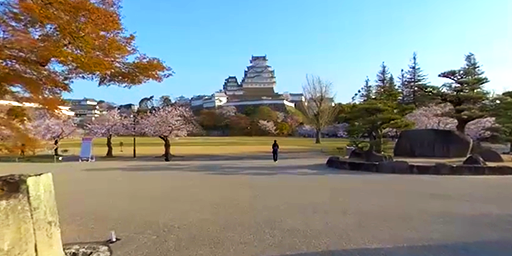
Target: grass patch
{"type": "Point", "coordinates": [205, 145]}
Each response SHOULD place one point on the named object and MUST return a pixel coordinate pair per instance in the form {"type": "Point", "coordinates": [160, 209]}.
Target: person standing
{"type": "Point", "coordinates": [275, 150]}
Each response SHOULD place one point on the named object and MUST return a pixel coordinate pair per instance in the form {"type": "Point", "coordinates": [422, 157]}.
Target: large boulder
{"type": "Point", "coordinates": [474, 160]}
{"type": "Point", "coordinates": [333, 161]}
{"type": "Point", "coordinates": [356, 154]}
{"type": "Point", "coordinates": [490, 155]}
{"type": "Point", "coordinates": [401, 167]}
{"type": "Point", "coordinates": [433, 143]}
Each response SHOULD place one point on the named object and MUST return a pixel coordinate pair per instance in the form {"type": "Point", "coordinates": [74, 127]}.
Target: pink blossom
{"type": "Point", "coordinates": [46, 126]}
{"type": "Point", "coordinates": [429, 118]}
{"type": "Point", "coordinates": [280, 116]}
{"type": "Point", "coordinates": [227, 111]}
{"type": "Point", "coordinates": [292, 120]}
{"type": "Point", "coordinates": [335, 129]}
{"type": "Point", "coordinates": [109, 124]}
{"type": "Point", "coordinates": [267, 126]}
{"type": "Point", "coordinates": [306, 130]}
{"type": "Point", "coordinates": [172, 121]}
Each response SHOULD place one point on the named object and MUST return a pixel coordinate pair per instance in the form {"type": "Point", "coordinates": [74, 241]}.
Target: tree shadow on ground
{"type": "Point", "coordinates": [205, 157]}
{"type": "Point", "coordinates": [480, 248]}
{"type": "Point", "coordinates": [251, 156]}
{"type": "Point", "coordinates": [269, 169]}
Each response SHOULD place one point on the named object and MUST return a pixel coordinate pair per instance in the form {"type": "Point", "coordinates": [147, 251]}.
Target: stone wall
{"type": "Point", "coordinates": [403, 167]}
{"type": "Point", "coordinates": [29, 222]}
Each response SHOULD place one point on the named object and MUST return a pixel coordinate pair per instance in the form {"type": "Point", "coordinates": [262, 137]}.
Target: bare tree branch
{"type": "Point", "coordinates": [319, 109]}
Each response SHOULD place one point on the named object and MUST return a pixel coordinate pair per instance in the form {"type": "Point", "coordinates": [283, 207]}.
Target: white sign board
{"type": "Point", "coordinates": [86, 150]}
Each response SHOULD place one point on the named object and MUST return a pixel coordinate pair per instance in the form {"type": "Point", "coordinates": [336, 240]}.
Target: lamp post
{"type": "Point", "coordinates": [134, 115]}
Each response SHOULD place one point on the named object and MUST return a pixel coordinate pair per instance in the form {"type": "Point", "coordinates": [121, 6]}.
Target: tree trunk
{"type": "Point", "coordinates": [378, 142]}
{"type": "Point", "coordinates": [56, 148]}
{"type": "Point", "coordinates": [461, 126]}
{"type": "Point", "coordinates": [375, 138]}
{"type": "Point", "coordinates": [110, 149]}
{"type": "Point", "coordinates": [318, 134]}
{"type": "Point", "coordinates": [167, 148]}
{"type": "Point", "coordinates": [22, 150]}
{"type": "Point", "coordinates": [372, 141]}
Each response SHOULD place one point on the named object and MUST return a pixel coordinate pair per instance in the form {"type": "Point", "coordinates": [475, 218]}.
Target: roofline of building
{"type": "Point", "coordinates": [63, 109]}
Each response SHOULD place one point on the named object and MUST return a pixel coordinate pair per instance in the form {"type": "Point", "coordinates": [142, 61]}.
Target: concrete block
{"type": "Point", "coordinates": [29, 222]}
{"type": "Point", "coordinates": [45, 217]}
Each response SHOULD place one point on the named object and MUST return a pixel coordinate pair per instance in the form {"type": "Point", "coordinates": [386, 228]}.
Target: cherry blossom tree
{"type": "Point", "coordinates": [306, 131]}
{"type": "Point", "coordinates": [109, 125]}
{"type": "Point", "coordinates": [167, 123]}
{"type": "Point", "coordinates": [337, 130]}
{"type": "Point", "coordinates": [227, 111]}
{"type": "Point", "coordinates": [48, 126]}
{"type": "Point", "coordinates": [293, 121]}
{"type": "Point", "coordinates": [431, 118]}
{"type": "Point", "coordinates": [239, 125]}
{"type": "Point", "coordinates": [5, 139]}
{"type": "Point", "coordinates": [267, 126]}
{"type": "Point", "coordinates": [280, 116]}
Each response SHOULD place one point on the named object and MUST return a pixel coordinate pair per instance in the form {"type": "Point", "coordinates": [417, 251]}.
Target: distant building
{"type": "Point", "coordinates": [231, 84]}
{"type": "Point", "coordinates": [85, 109]}
{"type": "Point", "coordinates": [255, 89]}
{"type": "Point", "coordinates": [62, 109]}
{"type": "Point", "coordinates": [259, 74]}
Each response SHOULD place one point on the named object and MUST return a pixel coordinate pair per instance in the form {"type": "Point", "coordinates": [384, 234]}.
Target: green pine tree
{"type": "Point", "coordinates": [385, 87]}
{"type": "Point", "coordinates": [382, 76]}
{"type": "Point", "coordinates": [465, 93]}
{"type": "Point", "coordinates": [404, 95]}
{"type": "Point", "coordinates": [365, 93]}
{"type": "Point", "coordinates": [502, 113]}
{"type": "Point", "coordinates": [370, 118]}
{"type": "Point", "coordinates": [416, 84]}
{"type": "Point", "coordinates": [391, 82]}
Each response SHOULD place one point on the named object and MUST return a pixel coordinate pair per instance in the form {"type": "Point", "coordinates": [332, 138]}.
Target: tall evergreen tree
{"type": "Point", "coordinates": [416, 86]}
{"type": "Point", "coordinates": [391, 82]}
{"type": "Point", "coordinates": [382, 76]}
{"type": "Point", "coordinates": [403, 88]}
{"type": "Point", "coordinates": [385, 87]}
{"type": "Point", "coordinates": [370, 118]}
{"type": "Point", "coordinates": [465, 93]}
{"type": "Point", "coordinates": [365, 93]}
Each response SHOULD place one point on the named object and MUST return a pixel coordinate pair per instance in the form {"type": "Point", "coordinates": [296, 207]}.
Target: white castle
{"type": "Point", "coordinates": [255, 89]}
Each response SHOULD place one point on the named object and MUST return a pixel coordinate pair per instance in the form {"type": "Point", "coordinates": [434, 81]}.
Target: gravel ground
{"type": "Point", "coordinates": [250, 206]}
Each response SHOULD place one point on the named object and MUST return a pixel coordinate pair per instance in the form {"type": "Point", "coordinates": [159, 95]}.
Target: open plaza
{"type": "Point", "coordinates": [224, 196]}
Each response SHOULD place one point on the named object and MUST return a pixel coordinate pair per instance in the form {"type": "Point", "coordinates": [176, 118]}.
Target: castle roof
{"type": "Point", "coordinates": [254, 58]}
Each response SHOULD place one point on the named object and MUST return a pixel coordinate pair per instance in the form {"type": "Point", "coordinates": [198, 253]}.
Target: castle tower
{"type": "Point", "coordinates": [231, 83]}
{"type": "Point", "coordinates": [259, 74]}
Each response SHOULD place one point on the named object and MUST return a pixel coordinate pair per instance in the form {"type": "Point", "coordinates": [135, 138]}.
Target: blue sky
{"type": "Point", "coordinates": [205, 41]}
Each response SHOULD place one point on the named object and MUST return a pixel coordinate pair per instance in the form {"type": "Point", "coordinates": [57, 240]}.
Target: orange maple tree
{"type": "Point", "coordinates": [45, 45]}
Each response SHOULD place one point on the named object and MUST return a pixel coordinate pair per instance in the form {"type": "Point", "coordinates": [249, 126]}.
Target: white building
{"type": "Point", "coordinates": [259, 74]}
{"type": "Point", "coordinates": [63, 109]}
{"type": "Point", "coordinates": [257, 88]}
{"type": "Point", "coordinates": [85, 109]}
